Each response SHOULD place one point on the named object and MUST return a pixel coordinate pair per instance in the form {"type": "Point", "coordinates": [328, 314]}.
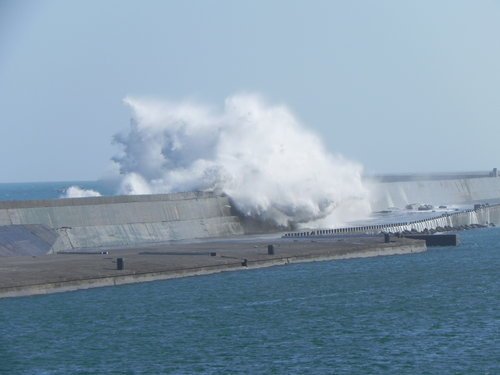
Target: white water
{"type": "Point", "coordinates": [78, 192]}
{"type": "Point", "coordinates": [259, 154]}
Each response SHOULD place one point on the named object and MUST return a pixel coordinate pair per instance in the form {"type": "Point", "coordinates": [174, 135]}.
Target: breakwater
{"type": "Point", "coordinates": [37, 227]}
{"type": "Point", "coordinates": [481, 215]}
{"type": "Point", "coordinates": [397, 191]}
{"type": "Point", "coordinates": [49, 226]}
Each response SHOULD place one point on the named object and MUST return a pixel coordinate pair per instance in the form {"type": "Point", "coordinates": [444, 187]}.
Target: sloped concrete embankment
{"type": "Point", "coordinates": [113, 221]}
{"type": "Point", "coordinates": [26, 240]}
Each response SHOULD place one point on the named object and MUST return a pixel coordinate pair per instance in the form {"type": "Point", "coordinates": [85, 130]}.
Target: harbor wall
{"type": "Point", "coordinates": [119, 221]}
{"type": "Point", "coordinates": [48, 226]}
{"type": "Point", "coordinates": [449, 191]}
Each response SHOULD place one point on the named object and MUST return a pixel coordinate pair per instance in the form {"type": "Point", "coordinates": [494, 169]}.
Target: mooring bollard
{"type": "Point", "coordinates": [386, 238]}
{"type": "Point", "coordinates": [270, 249]}
{"type": "Point", "coordinates": [244, 263]}
{"type": "Point", "coordinates": [213, 254]}
{"type": "Point", "coordinates": [119, 263]}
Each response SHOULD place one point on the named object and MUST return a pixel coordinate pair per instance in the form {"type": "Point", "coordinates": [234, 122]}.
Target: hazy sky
{"type": "Point", "coordinates": [399, 86]}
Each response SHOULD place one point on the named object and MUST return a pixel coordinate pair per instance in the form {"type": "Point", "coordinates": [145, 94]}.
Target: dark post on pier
{"type": "Point", "coordinates": [119, 263]}
{"type": "Point", "coordinates": [270, 249]}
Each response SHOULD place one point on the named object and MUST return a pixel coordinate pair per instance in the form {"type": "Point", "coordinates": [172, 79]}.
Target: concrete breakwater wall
{"type": "Point", "coordinates": [48, 226]}
{"type": "Point", "coordinates": [115, 221]}
{"type": "Point", "coordinates": [484, 215]}
{"type": "Point", "coordinates": [435, 192]}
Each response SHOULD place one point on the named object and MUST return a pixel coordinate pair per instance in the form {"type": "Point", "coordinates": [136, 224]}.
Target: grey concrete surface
{"type": "Point", "coordinates": [26, 240]}
{"type": "Point", "coordinates": [122, 220]}
{"type": "Point", "coordinates": [436, 192]}
{"type": "Point", "coordinates": [62, 272]}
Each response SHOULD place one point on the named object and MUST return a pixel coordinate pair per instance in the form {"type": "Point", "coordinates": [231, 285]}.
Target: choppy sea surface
{"type": "Point", "coordinates": [436, 312]}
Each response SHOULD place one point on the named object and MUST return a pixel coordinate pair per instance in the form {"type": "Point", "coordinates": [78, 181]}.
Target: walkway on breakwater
{"type": "Point", "coordinates": [480, 216]}
{"type": "Point", "coordinates": [26, 275]}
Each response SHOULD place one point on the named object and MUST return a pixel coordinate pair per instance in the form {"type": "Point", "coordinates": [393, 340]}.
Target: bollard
{"type": "Point", "coordinates": [270, 249]}
{"type": "Point", "coordinates": [213, 254]}
{"type": "Point", "coordinates": [386, 238]}
{"type": "Point", "coordinates": [119, 263]}
{"type": "Point", "coordinates": [244, 263]}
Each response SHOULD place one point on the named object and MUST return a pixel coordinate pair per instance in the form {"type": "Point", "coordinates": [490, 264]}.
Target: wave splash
{"type": "Point", "coordinates": [259, 154]}
{"type": "Point", "coordinates": [78, 192]}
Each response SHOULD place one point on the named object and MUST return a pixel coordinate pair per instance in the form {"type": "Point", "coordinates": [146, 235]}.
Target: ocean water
{"type": "Point", "coordinates": [49, 190]}
{"type": "Point", "coordinates": [430, 313]}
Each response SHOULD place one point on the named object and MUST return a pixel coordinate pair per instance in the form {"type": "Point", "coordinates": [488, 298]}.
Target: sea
{"type": "Point", "coordinates": [436, 312]}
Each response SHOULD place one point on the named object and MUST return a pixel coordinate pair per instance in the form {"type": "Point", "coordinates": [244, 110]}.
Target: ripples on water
{"type": "Point", "coordinates": [436, 312]}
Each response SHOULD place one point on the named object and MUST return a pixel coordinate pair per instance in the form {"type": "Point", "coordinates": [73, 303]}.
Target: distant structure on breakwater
{"type": "Point", "coordinates": [435, 189]}
{"type": "Point", "coordinates": [481, 215]}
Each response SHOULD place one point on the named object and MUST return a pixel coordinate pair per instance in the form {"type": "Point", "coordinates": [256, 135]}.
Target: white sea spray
{"type": "Point", "coordinates": [259, 154]}
{"type": "Point", "coordinates": [78, 192]}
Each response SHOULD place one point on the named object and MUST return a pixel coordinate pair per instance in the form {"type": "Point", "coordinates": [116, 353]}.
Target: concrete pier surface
{"type": "Point", "coordinates": [32, 275]}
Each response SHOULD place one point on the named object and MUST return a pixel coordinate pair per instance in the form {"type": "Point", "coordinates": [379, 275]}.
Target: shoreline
{"type": "Point", "coordinates": [63, 269]}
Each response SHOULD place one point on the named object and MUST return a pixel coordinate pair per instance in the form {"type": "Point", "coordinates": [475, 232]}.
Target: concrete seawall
{"type": "Point", "coordinates": [117, 221]}
{"type": "Point", "coordinates": [436, 192]}
{"type": "Point", "coordinates": [49, 226]}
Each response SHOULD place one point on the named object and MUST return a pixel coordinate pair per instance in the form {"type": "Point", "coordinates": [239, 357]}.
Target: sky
{"type": "Point", "coordinates": [398, 86]}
